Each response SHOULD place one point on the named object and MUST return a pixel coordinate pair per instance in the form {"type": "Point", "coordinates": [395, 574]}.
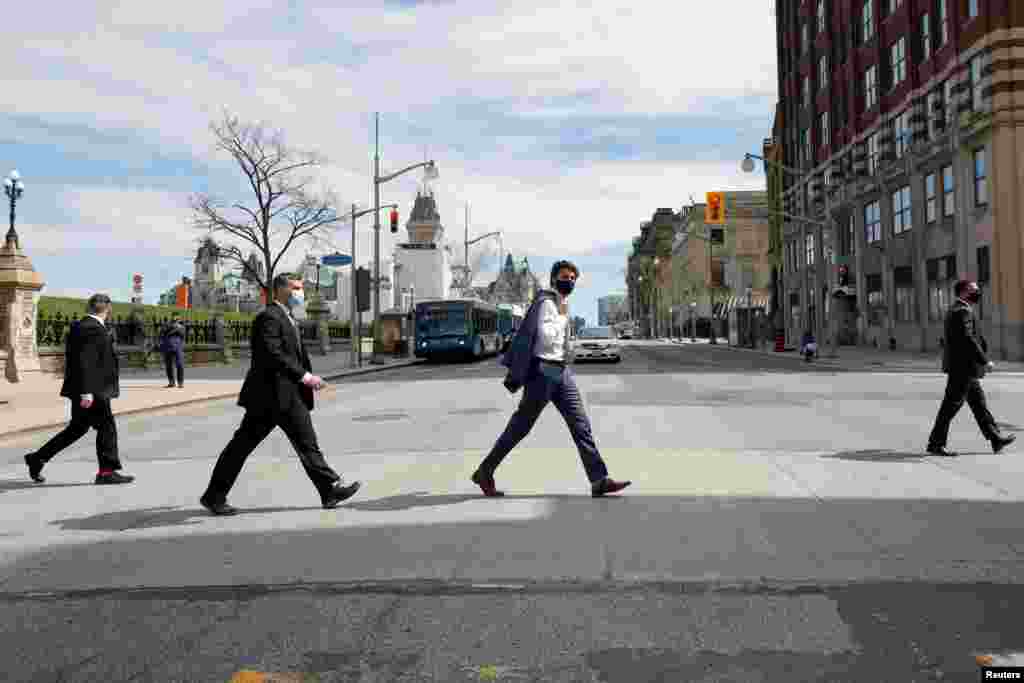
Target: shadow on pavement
{"type": "Point", "coordinates": [422, 499]}
{"type": "Point", "coordinates": [151, 518]}
{"type": "Point", "coordinates": [874, 455]}
{"type": "Point", "coordinates": [27, 484]}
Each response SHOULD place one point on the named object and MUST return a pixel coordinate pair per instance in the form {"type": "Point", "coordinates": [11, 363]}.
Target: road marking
{"type": "Point", "coordinates": [246, 676]}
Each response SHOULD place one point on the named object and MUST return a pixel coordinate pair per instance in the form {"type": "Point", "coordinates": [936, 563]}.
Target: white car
{"type": "Point", "coordinates": [596, 343]}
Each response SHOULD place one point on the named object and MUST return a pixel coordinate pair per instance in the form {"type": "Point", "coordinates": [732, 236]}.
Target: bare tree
{"type": "Point", "coordinates": [284, 210]}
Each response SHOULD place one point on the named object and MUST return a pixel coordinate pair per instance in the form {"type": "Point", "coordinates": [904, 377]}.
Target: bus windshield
{"type": "Point", "coordinates": [441, 322]}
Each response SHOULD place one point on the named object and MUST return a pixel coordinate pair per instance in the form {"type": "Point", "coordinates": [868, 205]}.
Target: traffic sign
{"type": "Point", "coordinates": [336, 259]}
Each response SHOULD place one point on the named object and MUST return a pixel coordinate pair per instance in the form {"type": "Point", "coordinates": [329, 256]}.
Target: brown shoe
{"type": "Point", "coordinates": [606, 486]}
{"type": "Point", "coordinates": [486, 484]}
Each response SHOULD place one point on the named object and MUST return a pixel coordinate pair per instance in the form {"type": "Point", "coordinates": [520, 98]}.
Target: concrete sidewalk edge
{"type": "Point", "coordinates": [24, 431]}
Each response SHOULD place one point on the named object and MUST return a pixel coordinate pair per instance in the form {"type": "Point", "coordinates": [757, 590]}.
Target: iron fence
{"type": "Point", "coordinates": [53, 330]}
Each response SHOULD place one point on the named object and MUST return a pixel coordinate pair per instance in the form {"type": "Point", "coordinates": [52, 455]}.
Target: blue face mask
{"type": "Point", "coordinates": [564, 287]}
{"type": "Point", "coordinates": [294, 301]}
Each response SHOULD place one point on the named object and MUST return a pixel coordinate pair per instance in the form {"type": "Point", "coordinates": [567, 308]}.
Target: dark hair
{"type": "Point", "coordinates": [559, 265]}
{"type": "Point", "coordinates": [97, 302]}
{"type": "Point", "coordinates": [282, 280]}
{"type": "Point", "coordinates": [961, 286]}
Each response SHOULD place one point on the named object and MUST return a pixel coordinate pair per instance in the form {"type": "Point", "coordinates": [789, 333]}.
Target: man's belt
{"type": "Point", "coordinates": [559, 363]}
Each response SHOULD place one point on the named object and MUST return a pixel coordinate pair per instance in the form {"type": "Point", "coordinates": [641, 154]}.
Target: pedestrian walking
{"type": "Point", "coordinates": [538, 361]}
{"type": "Point", "coordinates": [172, 346]}
{"type": "Point", "coordinates": [965, 362]}
{"type": "Point", "coordinates": [91, 381]}
{"type": "Point", "coordinates": [277, 392]}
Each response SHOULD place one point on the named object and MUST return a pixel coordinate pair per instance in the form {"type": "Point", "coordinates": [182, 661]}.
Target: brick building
{"type": "Point", "coordinates": [903, 116]}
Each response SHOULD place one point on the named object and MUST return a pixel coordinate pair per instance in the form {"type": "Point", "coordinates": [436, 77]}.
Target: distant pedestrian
{"type": "Point", "coordinates": [538, 361]}
{"type": "Point", "coordinates": [808, 346]}
{"type": "Point", "coordinates": [965, 362]}
{"type": "Point", "coordinates": [91, 381]}
{"type": "Point", "coordinates": [277, 392]}
{"type": "Point", "coordinates": [172, 346]}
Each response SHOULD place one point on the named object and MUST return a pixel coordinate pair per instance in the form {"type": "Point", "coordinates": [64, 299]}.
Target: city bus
{"type": "Point", "coordinates": [510, 317]}
{"type": "Point", "coordinates": [456, 328]}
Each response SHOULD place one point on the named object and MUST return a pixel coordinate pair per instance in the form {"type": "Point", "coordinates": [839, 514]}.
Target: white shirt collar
{"type": "Point", "coordinates": [98, 319]}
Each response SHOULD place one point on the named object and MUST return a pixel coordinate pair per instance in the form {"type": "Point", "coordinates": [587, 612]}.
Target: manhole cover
{"type": "Point", "coordinates": [474, 411]}
{"type": "Point", "coordinates": [380, 417]}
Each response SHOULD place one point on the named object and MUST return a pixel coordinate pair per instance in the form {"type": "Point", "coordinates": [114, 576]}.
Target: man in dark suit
{"type": "Point", "coordinates": [965, 361]}
{"type": "Point", "coordinates": [277, 392]}
{"type": "Point", "coordinates": [91, 372]}
{"type": "Point", "coordinates": [538, 359]}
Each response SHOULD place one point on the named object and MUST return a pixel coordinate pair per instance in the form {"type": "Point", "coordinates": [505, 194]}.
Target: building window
{"type": "Point", "coordinates": [980, 178]}
{"type": "Point", "coordinates": [947, 97]}
{"type": "Point", "coordinates": [807, 91]}
{"type": "Point", "coordinates": [826, 138]}
{"type": "Point", "coordinates": [926, 36]}
{"type": "Point", "coordinates": [901, 134]}
{"type": "Point", "coordinates": [903, 279]}
{"type": "Point", "coordinates": [941, 274]}
{"type": "Point", "coordinates": [870, 88]}
{"type": "Point", "coordinates": [809, 246]}
{"type": "Point", "coordinates": [898, 61]}
{"type": "Point", "coordinates": [933, 113]}
{"type": "Point", "coordinates": [901, 218]}
{"type": "Point", "coordinates": [805, 145]}
{"type": "Point", "coordinates": [872, 223]}
{"type": "Point", "coordinates": [972, 9]}
{"type": "Point", "coordinates": [976, 91]}
{"type": "Point", "coordinates": [931, 207]}
{"type": "Point", "coordinates": [867, 22]}
{"type": "Point", "coordinates": [894, 5]}
{"type": "Point", "coordinates": [943, 23]}
{"type": "Point", "coordinates": [821, 16]}
{"type": "Point", "coordinates": [851, 242]}
{"type": "Point", "coordinates": [876, 301]}
{"type": "Point", "coordinates": [873, 152]}
{"type": "Point", "coordinates": [805, 39]}
{"type": "Point", "coordinates": [823, 72]}
{"type": "Point", "coordinates": [948, 194]}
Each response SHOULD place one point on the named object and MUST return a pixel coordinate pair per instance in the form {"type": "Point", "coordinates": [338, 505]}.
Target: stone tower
{"type": "Point", "coordinates": [424, 224]}
{"type": "Point", "coordinates": [207, 275]}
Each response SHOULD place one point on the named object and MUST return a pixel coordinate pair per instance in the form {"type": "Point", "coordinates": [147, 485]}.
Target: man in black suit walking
{"type": "Point", "coordinates": [277, 392]}
{"type": "Point", "coordinates": [965, 361]}
{"type": "Point", "coordinates": [91, 380]}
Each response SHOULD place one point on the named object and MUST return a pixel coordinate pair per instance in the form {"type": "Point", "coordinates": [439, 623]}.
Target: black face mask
{"type": "Point", "coordinates": [564, 287]}
{"type": "Point", "coordinates": [972, 297]}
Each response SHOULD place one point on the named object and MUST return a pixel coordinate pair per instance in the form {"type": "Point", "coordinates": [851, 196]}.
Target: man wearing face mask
{"type": "Point", "coordinates": [277, 392]}
{"type": "Point", "coordinates": [537, 360]}
{"type": "Point", "coordinates": [964, 360]}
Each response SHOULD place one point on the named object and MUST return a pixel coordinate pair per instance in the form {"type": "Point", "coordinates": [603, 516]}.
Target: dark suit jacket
{"type": "Point", "coordinates": [963, 354]}
{"type": "Point", "coordinates": [91, 365]}
{"type": "Point", "coordinates": [172, 338]}
{"type": "Point", "coordinates": [526, 345]}
{"type": "Point", "coordinates": [279, 361]}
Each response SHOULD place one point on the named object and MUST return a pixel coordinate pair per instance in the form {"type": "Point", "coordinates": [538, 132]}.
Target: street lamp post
{"type": "Point", "coordinates": [14, 188]}
{"type": "Point", "coordinates": [378, 180]}
{"type": "Point", "coordinates": [356, 338]}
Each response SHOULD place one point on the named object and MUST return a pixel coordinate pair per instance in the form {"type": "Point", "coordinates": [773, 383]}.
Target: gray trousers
{"type": "Point", "coordinates": [550, 383]}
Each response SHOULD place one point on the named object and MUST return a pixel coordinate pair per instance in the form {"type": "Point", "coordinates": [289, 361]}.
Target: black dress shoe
{"type": "Point", "coordinates": [606, 486]}
{"type": "Point", "coordinates": [339, 494]}
{"type": "Point", "coordinates": [1001, 442]}
{"type": "Point", "coordinates": [941, 450]}
{"type": "Point", "coordinates": [35, 468]}
{"type": "Point", "coordinates": [114, 478]}
{"type": "Point", "coordinates": [486, 484]}
{"type": "Point", "coordinates": [218, 509]}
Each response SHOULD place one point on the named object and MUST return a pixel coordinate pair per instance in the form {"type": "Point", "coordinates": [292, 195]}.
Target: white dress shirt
{"type": "Point", "coordinates": [298, 334]}
{"type": "Point", "coordinates": [88, 397]}
{"type": "Point", "coordinates": [554, 330]}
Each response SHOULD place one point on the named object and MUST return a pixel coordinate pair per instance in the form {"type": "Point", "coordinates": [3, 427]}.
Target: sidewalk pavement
{"type": "Point", "coordinates": [869, 358]}
{"type": "Point", "coordinates": [34, 404]}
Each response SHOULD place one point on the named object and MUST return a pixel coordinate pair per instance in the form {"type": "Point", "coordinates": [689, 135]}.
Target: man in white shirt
{"type": "Point", "coordinates": [551, 379]}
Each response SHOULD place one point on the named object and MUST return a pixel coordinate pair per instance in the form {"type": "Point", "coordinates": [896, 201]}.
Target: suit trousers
{"type": "Point", "coordinates": [256, 426]}
{"type": "Point", "coordinates": [958, 389]}
{"type": "Point", "coordinates": [98, 416]}
{"type": "Point", "coordinates": [175, 360]}
{"type": "Point", "coordinates": [556, 384]}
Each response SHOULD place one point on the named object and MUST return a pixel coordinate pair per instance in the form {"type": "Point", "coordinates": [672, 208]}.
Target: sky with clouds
{"type": "Point", "coordinates": [564, 125]}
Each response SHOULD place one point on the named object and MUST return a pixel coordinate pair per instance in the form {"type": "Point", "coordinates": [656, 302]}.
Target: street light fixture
{"type": "Point", "coordinates": [430, 173]}
{"type": "Point", "coordinates": [13, 188]}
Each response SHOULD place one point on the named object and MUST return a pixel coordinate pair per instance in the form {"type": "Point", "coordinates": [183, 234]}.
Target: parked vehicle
{"type": "Point", "coordinates": [597, 343]}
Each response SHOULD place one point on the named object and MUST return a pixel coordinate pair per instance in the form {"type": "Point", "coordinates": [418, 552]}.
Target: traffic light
{"type": "Point", "coordinates": [394, 220]}
{"type": "Point", "coordinates": [362, 289]}
{"type": "Point", "coordinates": [714, 211]}
{"type": "Point", "coordinates": [717, 235]}
{"type": "Point", "coordinates": [844, 276]}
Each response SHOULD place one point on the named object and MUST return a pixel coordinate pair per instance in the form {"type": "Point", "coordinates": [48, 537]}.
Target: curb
{"type": "Point", "coordinates": [204, 399]}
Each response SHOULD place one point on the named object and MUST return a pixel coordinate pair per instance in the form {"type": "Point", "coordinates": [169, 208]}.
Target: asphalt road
{"type": "Point", "coordinates": [784, 525]}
